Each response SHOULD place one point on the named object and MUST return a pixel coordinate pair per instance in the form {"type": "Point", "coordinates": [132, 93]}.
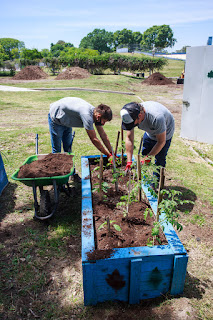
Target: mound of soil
{"type": "Point", "coordinates": [73, 73]}
{"type": "Point", "coordinates": [157, 79]}
{"type": "Point", "coordinates": [30, 73]}
{"type": "Point", "coordinates": [53, 164]}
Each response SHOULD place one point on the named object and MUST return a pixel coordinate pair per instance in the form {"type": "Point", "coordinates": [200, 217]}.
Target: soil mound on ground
{"type": "Point", "coordinates": [30, 73]}
{"type": "Point", "coordinates": [157, 79]}
{"type": "Point", "coordinates": [73, 73]}
{"type": "Point", "coordinates": [53, 164]}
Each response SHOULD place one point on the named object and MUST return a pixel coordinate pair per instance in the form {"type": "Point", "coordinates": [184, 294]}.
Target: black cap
{"type": "Point", "coordinates": [129, 114]}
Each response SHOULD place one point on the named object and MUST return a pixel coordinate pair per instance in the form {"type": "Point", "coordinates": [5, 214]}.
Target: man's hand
{"type": "Point", "coordinates": [128, 166]}
{"type": "Point", "coordinates": [110, 158]}
{"type": "Point", "coordinates": [146, 161]}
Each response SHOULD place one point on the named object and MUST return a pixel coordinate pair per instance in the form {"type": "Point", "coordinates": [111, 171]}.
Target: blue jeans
{"type": "Point", "coordinates": [60, 134]}
{"type": "Point", "coordinates": [160, 158]}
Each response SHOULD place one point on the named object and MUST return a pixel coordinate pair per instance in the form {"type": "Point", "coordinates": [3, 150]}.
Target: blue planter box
{"type": "Point", "coordinates": [134, 273]}
{"type": "Point", "coordinates": [3, 176]}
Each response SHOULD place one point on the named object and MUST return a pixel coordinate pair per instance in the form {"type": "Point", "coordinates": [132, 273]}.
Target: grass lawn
{"type": "Point", "coordinates": [41, 262]}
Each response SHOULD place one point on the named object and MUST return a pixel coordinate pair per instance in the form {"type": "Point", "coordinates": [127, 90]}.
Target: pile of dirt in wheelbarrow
{"type": "Point", "coordinates": [53, 164]}
{"type": "Point", "coordinates": [73, 73]}
{"type": "Point", "coordinates": [157, 79]}
{"type": "Point", "coordinates": [30, 73]}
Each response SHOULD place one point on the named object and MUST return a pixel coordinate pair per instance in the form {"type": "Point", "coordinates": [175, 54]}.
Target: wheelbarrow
{"type": "Point", "coordinates": [60, 183]}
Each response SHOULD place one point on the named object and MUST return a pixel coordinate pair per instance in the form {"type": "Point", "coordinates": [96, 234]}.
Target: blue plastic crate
{"type": "Point", "coordinates": [130, 274]}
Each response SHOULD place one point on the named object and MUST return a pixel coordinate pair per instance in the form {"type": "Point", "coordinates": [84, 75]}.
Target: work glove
{"type": "Point", "coordinates": [110, 158]}
{"type": "Point", "coordinates": [146, 161]}
{"type": "Point", "coordinates": [128, 167]}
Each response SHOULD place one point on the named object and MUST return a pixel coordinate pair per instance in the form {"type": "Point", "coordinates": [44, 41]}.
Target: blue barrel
{"type": "Point", "coordinates": [3, 176]}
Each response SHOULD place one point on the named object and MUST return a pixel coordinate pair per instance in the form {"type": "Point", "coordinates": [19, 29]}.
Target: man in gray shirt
{"type": "Point", "coordinates": [157, 122]}
{"type": "Point", "coordinates": [72, 112]}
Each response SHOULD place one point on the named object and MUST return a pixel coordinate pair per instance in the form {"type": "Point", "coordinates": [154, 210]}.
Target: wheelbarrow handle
{"type": "Point", "coordinates": [36, 139]}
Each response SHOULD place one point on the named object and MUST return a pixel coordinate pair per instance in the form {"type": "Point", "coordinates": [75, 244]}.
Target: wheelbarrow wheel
{"type": "Point", "coordinates": [45, 203]}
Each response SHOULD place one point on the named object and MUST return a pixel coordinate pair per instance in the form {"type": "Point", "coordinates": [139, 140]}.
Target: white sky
{"type": "Point", "coordinates": [40, 23]}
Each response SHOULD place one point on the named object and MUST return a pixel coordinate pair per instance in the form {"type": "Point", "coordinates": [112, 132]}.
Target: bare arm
{"type": "Point", "coordinates": [104, 138]}
{"type": "Point", "coordinates": [129, 144]}
{"type": "Point", "coordinates": [161, 140]}
{"type": "Point", "coordinates": [97, 142]}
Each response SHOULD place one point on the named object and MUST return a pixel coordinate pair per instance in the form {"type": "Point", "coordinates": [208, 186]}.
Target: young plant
{"type": "Point", "coordinates": [149, 177]}
{"type": "Point", "coordinates": [155, 230]}
{"type": "Point", "coordinates": [126, 200]}
{"type": "Point", "coordinates": [108, 224]}
{"type": "Point", "coordinates": [169, 207]}
{"type": "Point", "coordinates": [104, 188]}
{"type": "Point", "coordinates": [117, 174]}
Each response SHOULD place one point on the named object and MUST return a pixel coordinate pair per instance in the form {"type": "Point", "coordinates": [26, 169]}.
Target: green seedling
{"type": "Point", "coordinates": [104, 188]}
{"type": "Point", "coordinates": [155, 230]}
{"type": "Point", "coordinates": [108, 224]}
{"type": "Point", "coordinates": [169, 207]}
{"type": "Point", "coordinates": [126, 200]}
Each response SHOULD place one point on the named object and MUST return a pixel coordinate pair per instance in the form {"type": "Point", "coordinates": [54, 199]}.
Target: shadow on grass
{"type": "Point", "coordinates": [186, 194]}
{"type": "Point", "coordinates": [36, 258]}
{"type": "Point", "coordinates": [7, 200]}
{"type": "Point", "coordinates": [41, 272]}
{"type": "Point", "coordinates": [194, 287]}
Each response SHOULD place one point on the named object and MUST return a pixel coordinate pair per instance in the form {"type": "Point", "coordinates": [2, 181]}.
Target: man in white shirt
{"type": "Point", "coordinates": [72, 112]}
{"type": "Point", "coordinates": [157, 122]}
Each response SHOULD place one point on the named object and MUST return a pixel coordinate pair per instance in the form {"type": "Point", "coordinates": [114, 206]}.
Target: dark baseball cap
{"type": "Point", "coordinates": [129, 114]}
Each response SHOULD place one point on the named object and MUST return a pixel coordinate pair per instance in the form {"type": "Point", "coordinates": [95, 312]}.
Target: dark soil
{"type": "Point", "coordinates": [73, 73]}
{"type": "Point", "coordinates": [53, 164]}
{"type": "Point", "coordinates": [135, 230]}
{"type": "Point", "coordinates": [157, 79]}
{"type": "Point", "coordinates": [30, 73]}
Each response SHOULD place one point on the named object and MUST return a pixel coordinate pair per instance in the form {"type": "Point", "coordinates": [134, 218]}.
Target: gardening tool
{"type": "Point", "coordinates": [36, 143]}
{"type": "Point", "coordinates": [46, 209]}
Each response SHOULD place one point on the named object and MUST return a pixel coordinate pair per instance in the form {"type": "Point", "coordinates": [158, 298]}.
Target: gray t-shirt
{"type": "Point", "coordinates": [157, 120]}
{"type": "Point", "coordinates": [72, 112]}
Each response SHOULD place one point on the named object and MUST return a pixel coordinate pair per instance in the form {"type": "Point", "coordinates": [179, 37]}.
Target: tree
{"type": "Point", "coordinates": [30, 54]}
{"type": "Point", "coordinates": [98, 39]}
{"type": "Point", "coordinates": [61, 42]}
{"type": "Point", "coordinates": [159, 37]}
{"type": "Point", "coordinates": [3, 55]}
{"type": "Point", "coordinates": [138, 37]}
{"type": "Point", "coordinates": [45, 53]}
{"type": "Point", "coordinates": [123, 37]}
{"type": "Point", "coordinates": [56, 49]}
{"type": "Point", "coordinates": [9, 44]}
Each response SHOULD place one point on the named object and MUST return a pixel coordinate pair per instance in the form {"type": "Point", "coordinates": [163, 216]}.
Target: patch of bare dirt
{"type": "Point", "coordinates": [157, 79]}
{"type": "Point", "coordinates": [73, 73]}
{"type": "Point", "coordinates": [30, 73]}
{"type": "Point", "coordinates": [9, 80]}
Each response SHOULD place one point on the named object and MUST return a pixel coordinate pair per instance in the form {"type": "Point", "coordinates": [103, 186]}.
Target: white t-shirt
{"type": "Point", "coordinates": [157, 120]}
{"type": "Point", "coordinates": [72, 112]}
